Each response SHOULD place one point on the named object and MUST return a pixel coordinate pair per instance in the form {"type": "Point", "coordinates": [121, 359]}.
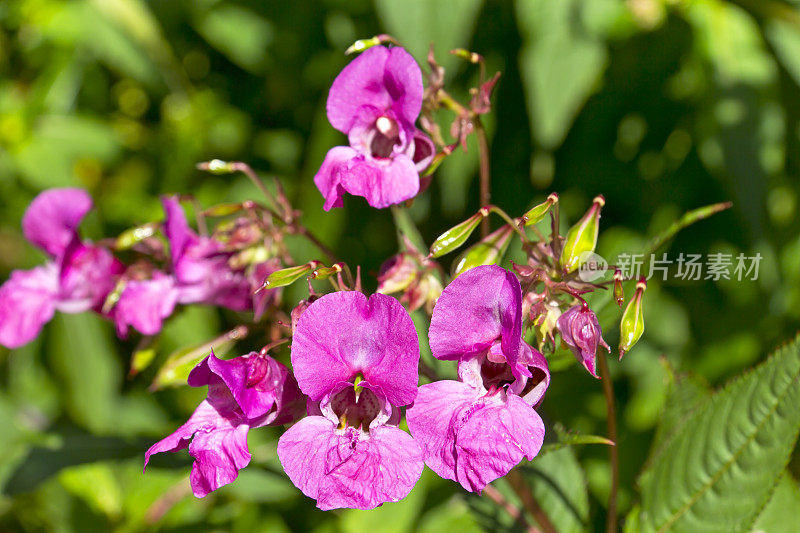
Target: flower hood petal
{"type": "Point", "coordinates": [477, 308]}
{"type": "Point", "coordinates": [344, 333]}
{"type": "Point", "coordinates": [53, 218]}
{"type": "Point", "coordinates": [384, 78]}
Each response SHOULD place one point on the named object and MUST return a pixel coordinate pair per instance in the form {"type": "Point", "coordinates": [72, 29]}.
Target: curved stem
{"type": "Point", "coordinates": [485, 170]}
{"type": "Point", "coordinates": [529, 501]}
{"type": "Point", "coordinates": [514, 512]}
{"type": "Point", "coordinates": [611, 424]}
{"type": "Point", "coordinates": [305, 232]}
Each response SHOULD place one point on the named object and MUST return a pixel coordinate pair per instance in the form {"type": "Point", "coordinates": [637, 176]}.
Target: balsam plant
{"type": "Point", "coordinates": [355, 379]}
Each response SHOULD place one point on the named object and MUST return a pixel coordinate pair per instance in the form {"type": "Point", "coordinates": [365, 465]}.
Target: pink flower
{"type": "Point", "coordinates": [202, 272]}
{"type": "Point", "coordinates": [476, 430]}
{"type": "Point", "coordinates": [245, 392]}
{"type": "Point", "coordinates": [356, 359]}
{"type": "Point", "coordinates": [78, 277]}
{"type": "Point", "coordinates": [580, 330]}
{"type": "Point", "coordinates": [375, 101]}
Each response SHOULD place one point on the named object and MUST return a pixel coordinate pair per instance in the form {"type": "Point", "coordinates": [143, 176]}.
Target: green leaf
{"type": "Point", "coordinates": [416, 23]}
{"type": "Point", "coordinates": [97, 485]}
{"type": "Point", "coordinates": [572, 438]}
{"type": "Point", "coordinates": [689, 218]}
{"type": "Point", "coordinates": [560, 65]}
{"type": "Point", "coordinates": [779, 515]}
{"type": "Point", "coordinates": [785, 37]}
{"type": "Point", "coordinates": [558, 483]}
{"type": "Point", "coordinates": [721, 466]}
{"type": "Point", "coordinates": [392, 517]}
{"type": "Point", "coordinates": [238, 33]}
{"type": "Point", "coordinates": [87, 365]}
{"type": "Point", "coordinates": [686, 395]}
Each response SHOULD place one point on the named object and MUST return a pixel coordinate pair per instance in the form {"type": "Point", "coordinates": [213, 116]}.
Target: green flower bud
{"type": "Point", "coordinates": [457, 235]}
{"type": "Point", "coordinates": [287, 276]}
{"type": "Point", "coordinates": [488, 251]}
{"type": "Point", "coordinates": [582, 237]}
{"type": "Point", "coordinates": [130, 237]}
{"type": "Point", "coordinates": [632, 324]}
{"type": "Point", "coordinates": [538, 212]}
{"type": "Point", "coordinates": [619, 293]}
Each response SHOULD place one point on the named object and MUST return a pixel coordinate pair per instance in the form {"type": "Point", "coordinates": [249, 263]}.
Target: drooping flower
{"type": "Point", "coordinates": [77, 278]}
{"type": "Point", "coordinates": [202, 271]}
{"type": "Point", "coordinates": [476, 430]}
{"type": "Point", "coordinates": [244, 393]}
{"type": "Point", "coordinates": [375, 101]}
{"type": "Point", "coordinates": [580, 330]}
{"type": "Point", "coordinates": [356, 359]}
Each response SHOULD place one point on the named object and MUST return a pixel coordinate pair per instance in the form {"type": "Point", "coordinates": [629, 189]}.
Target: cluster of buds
{"type": "Point", "coordinates": [554, 282]}
{"type": "Point", "coordinates": [412, 274]}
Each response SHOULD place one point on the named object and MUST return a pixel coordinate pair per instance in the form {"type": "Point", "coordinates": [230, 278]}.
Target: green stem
{"type": "Point", "coordinates": [611, 426]}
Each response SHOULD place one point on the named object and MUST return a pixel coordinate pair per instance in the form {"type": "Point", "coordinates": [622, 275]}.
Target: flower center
{"type": "Point", "coordinates": [355, 412]}
{"type": "Point", "coordinates": [386, 136]}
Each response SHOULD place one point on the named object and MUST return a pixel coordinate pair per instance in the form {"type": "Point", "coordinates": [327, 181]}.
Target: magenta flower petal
{"type": "Point", "coordinates": [580, 330]}
{"type": "Point", "coordinates": [254, 381]}
{"type": "Point", "coordinates": [87, 274]}
{"type": "Point", "coordinates": [349, 469]}
{"type": "Point", "coordinates": [176, 229]}
{"type": "Point", "coordinates": [344, 333]}
{"type": "Point", "coordinates": [471, 438]}
{"type": "Point", "coordinates": [329, 176]}
{"type": "Point", "coordinates": [219, 447]}
{"type": "Point", "coordinates": [255, 384]}
{"type": "Point", "coordinates": [494, 439]}
{"type": "Point", "coordinates": [27, 302]}
{"type": "Point", "coordinates": [53, 217]}
{"type": "Point", "coordinates": [144, 304]}
{"type": "Point", "coordinates": [219, 455]}
{"type": "Point", "coordinates": [382, 182]}
{"type": "Point", "coordinates": [380, 77]}
{"type": "Point", "coordinates": [479, 307]}
{"type": "Point", "coordinates": [431, 422]}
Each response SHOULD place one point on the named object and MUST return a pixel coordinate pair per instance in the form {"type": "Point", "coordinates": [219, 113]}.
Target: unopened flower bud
{"type": "Point", "coordinates": [457, 235]}
{"type": "Point", "coordinates": [488, 251]}
{"type": "Point", "coordinates": [397, 273]}
{"type": "Point", "coordinates": [619, 293]}
{"type": "Point", "coordinates": [299, 308]}
{"type": "Point", "coordinates": [580, 330]}
{"type": "Point", "coordinates": [287, 276]}
{"type": "Point", "coordinates": [582, 237]}
{"type": "Point", "coordinates": [632, 324]}
{"type": "Point", "coordinates": [537, 213]}
{"type": "Point", "coordinates": [425, 292]}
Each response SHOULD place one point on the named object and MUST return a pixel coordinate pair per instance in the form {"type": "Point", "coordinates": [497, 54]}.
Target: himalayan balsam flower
{"type": "Point", "coordinates": [476, 430]}
{"type": "Point", "coordinates": [200, 273]}
{"type": "Point", "coordinates": [245, 392]}
{"type": "Point", "coordinates": [580, 330]}
{"type": "Point", "coordinates": [356, 359]}
{"type": "Point", "coordinates": [77, 278]}
{"type": "Point", "coordinates": [375, 101]}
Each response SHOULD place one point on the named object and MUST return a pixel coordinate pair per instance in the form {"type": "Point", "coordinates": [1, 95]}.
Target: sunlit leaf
{"type": "Point", "coordinates": [722, 464]}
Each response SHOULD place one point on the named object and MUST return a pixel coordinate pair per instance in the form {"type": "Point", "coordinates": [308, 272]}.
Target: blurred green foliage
{"type": "Point", "coordinates": [662, 106]}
